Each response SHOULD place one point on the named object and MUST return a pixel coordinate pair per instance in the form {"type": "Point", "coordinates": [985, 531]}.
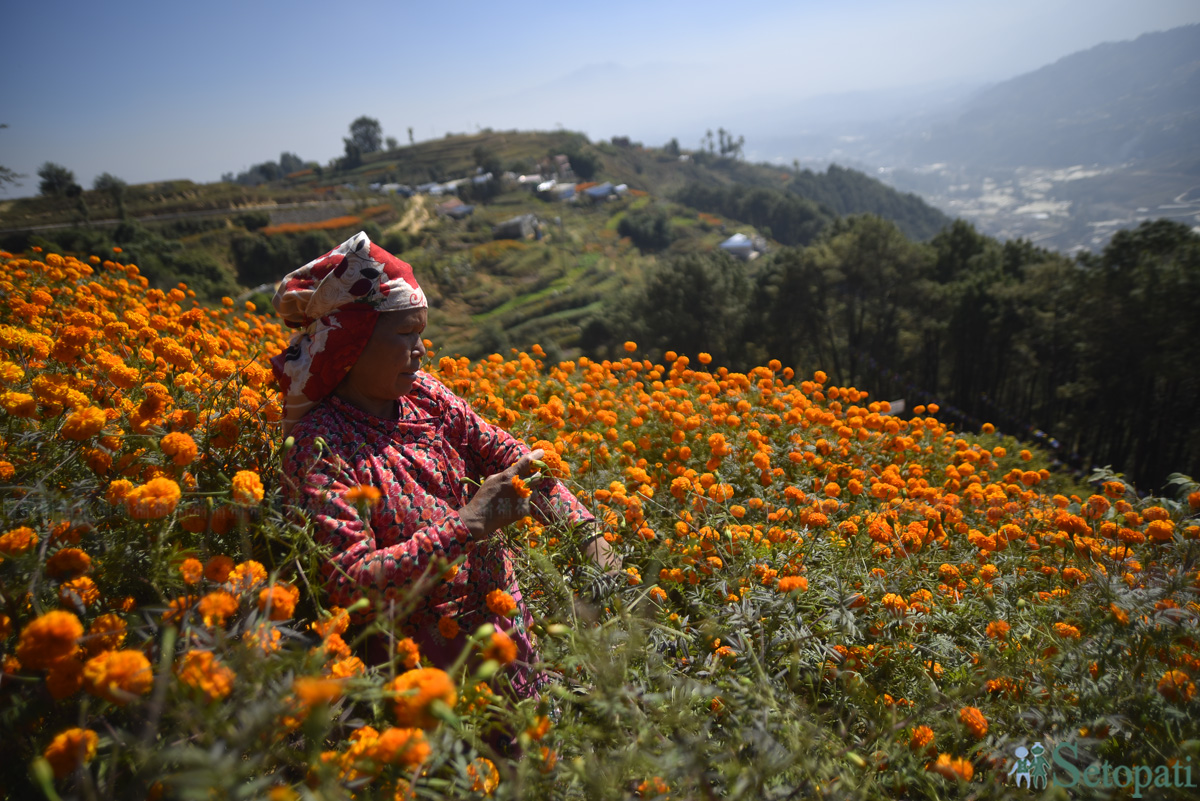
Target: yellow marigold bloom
{"type": "Point", "coordinates": [921, 738]}
{"type": "Point", "coordinates": [84, 423]}
{"type": "Point", "coordinates": [18, 404]}
{"type": "Point", "coordinates": [415, 692]}
{"type": "Point", "coordinates": [216, 607]}
{"type": "Point", "coordinates": [49, 638]}
{"type": "Point", "coordinates": [18, 541]}
{"type": "Point", "coordinates": [7, 471]}
{"type": "Point", "coordinates": [67, 563]}
{"type": "Point", "coordinates": [484, 776]}
{"type": "Point", "coordinates": [69, 750]}
{"type": "Point", "coordinates": [1176, 686]}
{"type": "Point", "coordinates": [278, 601]}
{"type": "Point", "coordinates": [247, 488]}
{"type": "Point", "coordinates": [501, 603]}
{"type": "Point", "coordinates": [80, 591]}
{"type": "Point", "coordinates": [362, 494]}
{"type": "Point", "coordinates": [115, 675]}
{"type": "Point", "coordinates": [789, 583]}
{"type": "Point", "coordinates": [347, 667]}
{"type": "Point", "coordinates": [894, 604]}
{"type": "Point", "coordinates": [501, 647]}
{"type": "Point", "coordinates": [974, 720]}
{"type": "Point", "coordinates": [246, 576]}
{"type": "Point", "coordinates": [952, 768]}
{"type": "Point", "coordinates": [118, 490]}
{"type": "Point", "coordinates": [202, 671]}
{"type": "Point", "coordinates": [180, 447]}
{"type": "Point", "coordinates": [153, 500]}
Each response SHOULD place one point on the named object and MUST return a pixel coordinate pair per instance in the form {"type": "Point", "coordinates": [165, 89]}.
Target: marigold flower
{"type": "Point", "coordinates": [105, 633]}
{"type": "Point", "coordinates": [347, 667]}
{"type": "Point", "coordinates": [789, 583]}
{"type": "Point", "coordinates": [202, 671]}
{"type": "Point", "coordinates": [501, 647]}
{"type": "Point", "coordinates": [246, 576]}
{"type": "Point", "coordinates": [362, 494]}
{"type": "Point", "coordinates": [180, 447]}
{"type": "Point", "coordinates": [18, 404]}
{"type": "Point", "coordinates": [218, 568]}
{"type": "Point", "coordinates": [18, 541]}
{"type": "Point", "coordinates": [998, 629]}
{"type": "Point", "coordinates": [410, 654]}
{"type": "Point", "coordinates": [311, 692]}
{"type": "Point", "coordinates": [278, 600]}
{"type": "Point", "coordinates": [80, 591]}
{"type": "Point", "coordinates": [116, 675]}
{"type": "Point", "coordinates": [70, 749]}
{"type": "Point", "coordinates": [416, 691]}
{"type": "Point", "coordinates": [921, 738]}
{"type": "Point", "coordinates": [1067, 631]}
{"type": "Point", "coordinates": [448, 627]}
{"type": "Point", "coordinates": [1176, 686]}
{"type": "Point", "coordinates": [47, 639]}
{"type": "Point", "coordinates": [484, 776]}
{"type": "Point", "coordinates": [216, 607]}
{"type": "Point", "coordinates": [247, 488]}
{"type": "Point", "coordinates": [335, 622]}
{"type": "Point", "coordinates": [520, 487]}
{"type": "Point", "coordinates": [974, 720]}
{"type": "Point", "coordinates": [118, 490]}
{"type": "Point", "coordinates": [191, 570]}
{"type": "Point", "coordinates": [952, 768]}
{"type": "Point", "coordinates": [401, 746]}
{"type": "Point", "coordinates": [84, 423]}
{"type": "Point", "coordinates": [153, 500]}
{"type": "Point", "coordinates": [501, 603]}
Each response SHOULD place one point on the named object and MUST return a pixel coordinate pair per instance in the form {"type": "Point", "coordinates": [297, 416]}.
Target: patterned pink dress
{"type": "Point", "coordinates": [417, 462]}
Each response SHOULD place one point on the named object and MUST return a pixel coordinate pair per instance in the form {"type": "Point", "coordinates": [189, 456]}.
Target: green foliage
{"type": "Point", "coordinates": [648, 227]}
{"type": "Point", "coordinates": [57, 181]}
{"type": "Point", "coordinates": [793, 220]}
{"type": "Point", "coordinates": [366, 134]}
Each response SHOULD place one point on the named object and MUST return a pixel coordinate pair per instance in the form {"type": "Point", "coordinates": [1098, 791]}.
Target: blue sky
{"type": "Point", "coordinates": [159, 90]}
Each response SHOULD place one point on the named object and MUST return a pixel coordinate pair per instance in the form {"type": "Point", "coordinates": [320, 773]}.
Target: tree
{"type": "Point", "coordinates": [366, 134]}
{"type": "Point", "coordinates": [114, 187]}
{"type": "Point", "coordinates": [8, 176]}
{"type": "Point", "coordinates": [290, 163]}
{"type": "Point", "coordinates": [671, 148]}
{"type": "Point", "coordinates": [392, 143]}
{"type": "Point", "coordinates": [410, 135]}
{"type": "Point", "coordinates": [57, 181]}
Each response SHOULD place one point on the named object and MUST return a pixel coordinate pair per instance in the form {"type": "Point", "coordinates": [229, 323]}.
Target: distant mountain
{"type": "Point", "coordinates": [1114, 103]}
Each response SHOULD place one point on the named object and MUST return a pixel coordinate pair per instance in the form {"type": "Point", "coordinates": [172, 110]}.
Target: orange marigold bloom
{"type": "Point", "coordinates": [520, 487]}
{"type": "Point", "coordinates": [217, 606]}
{"type": "Point", "coordinates": [202, 671]}
{"type": "Point", "coordinates": [105, 633]}
{"type": "Point", "coordinates": [84, 423]}
{"type": "Point", "coordinates": [921, 738]}
{"type": "Point", "coordinates": [246, 576]}
{"type": "Point", "coordinates": [18, 541]}
{"type": "Point", "coordinates": [247, 488]}
{"type": "Point", "coordinates": [501, 603]}
{"type": "Point", "coordinates": [998, 629]}
{"type": "Point", "coordinates": [345, 668]}
{"type": "Point", "coordinates": [153, 500]}
{"type": "Point", "coordinates": [79, 591]}
{"type": "Point", "coordinates": [115, 675]}
{"type": "Point", "coordinates": [68, 562]}
{"type": "Point", "coordinates": [118, 490]}
{"type": "Point", "coordinates": [180, 447]}
{"type": "Point", "coordinates": [1175, 686]}
{"type": "Point", "coordinates": [894, 604]}
{"type": "Point", "coordinates": [279, 599]}
{"type": "Point", "coordinates": [1066, 631]}
{"type": "Point", "coordinates": [501, 648]}
{"type": "Point", "coordinates": [336, 622]}
{"type": "Point", "coordinates": [448, 627]}
{"type": "Point", "coordinates": [191, 570]}
{"type": "Point", "coordinates": [484, 776]}
{"type": "Point", "coordinates": [410, 654]}
{"type": "Point", "coordinates": [789, 583]}
{"type": "Point", "coordinates": [49, 638]}
{"type": "Point", "coordinates": [974, 720]}
{"type": "Point", "coordinates": [311, 692]}
{"type": "Point", "coordinates": [362, 493]}
{"type": "Point", "coordinates": [218, 568]}
{"type": "Point", "coordinates": [416, 691]}
{"type": "Point", "coordinates": [69, 750]}
{"type": "Point", "coordinates": [952, 768]}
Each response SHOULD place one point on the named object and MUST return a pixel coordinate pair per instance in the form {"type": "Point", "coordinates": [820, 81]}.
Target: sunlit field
{"type": "Point", "coordinates": [818, 599]}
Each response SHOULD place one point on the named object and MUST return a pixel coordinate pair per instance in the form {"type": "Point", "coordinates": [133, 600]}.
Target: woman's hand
{"type": "Point", "coordinates": [497, 503]}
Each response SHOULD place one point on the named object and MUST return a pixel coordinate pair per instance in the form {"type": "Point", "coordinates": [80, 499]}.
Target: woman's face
{"type": "Point", "coordinates": [388, 364]}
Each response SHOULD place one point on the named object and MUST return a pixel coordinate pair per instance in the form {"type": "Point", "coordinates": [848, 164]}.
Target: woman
{"type": "Point", "coordinates": [362, 414]}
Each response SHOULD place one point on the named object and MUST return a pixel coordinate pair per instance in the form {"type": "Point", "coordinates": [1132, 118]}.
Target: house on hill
{"type": "Point", "coordinates": [744, 247]}
{"type": "Point", "coordinates": [455, 209]}
{"type": "Point", "coordinates": [524, 226]}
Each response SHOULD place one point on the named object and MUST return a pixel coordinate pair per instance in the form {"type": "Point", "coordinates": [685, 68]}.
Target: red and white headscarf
{"type": "Point", "coordinates": [335, 299]}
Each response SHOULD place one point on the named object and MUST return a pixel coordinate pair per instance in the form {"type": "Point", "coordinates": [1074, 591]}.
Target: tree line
{"type": "Point", "coordinates": [1094, 355]}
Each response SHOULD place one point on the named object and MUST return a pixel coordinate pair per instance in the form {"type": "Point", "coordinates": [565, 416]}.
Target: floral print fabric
{"type": "Point", "coordinates": [418, 463]}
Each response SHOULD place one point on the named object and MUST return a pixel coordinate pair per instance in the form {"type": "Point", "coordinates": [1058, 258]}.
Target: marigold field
{"type": "Point", "coordinates": [818, 599]}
